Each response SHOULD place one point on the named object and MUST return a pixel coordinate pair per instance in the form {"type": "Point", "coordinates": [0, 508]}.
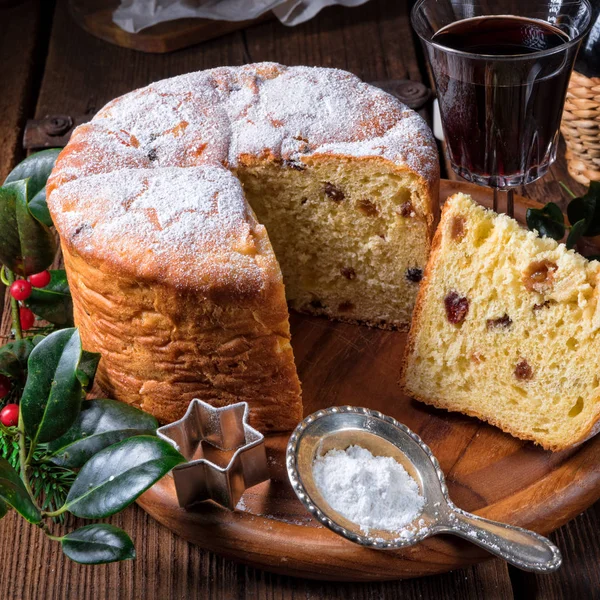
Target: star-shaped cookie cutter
{"type": "Point", "coordinates": [204, 428]}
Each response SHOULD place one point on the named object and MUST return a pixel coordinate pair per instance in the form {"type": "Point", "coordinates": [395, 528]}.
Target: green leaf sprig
{"type": "Point", "coordinates": [109, 450]}
{"type": "Point", "coordinates": [50, 482]}
{"type": "Point", "coordinates": [583, 213]}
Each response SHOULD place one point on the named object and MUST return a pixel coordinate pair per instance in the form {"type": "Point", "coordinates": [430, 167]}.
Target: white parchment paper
{"type": "Point", "coordinates": [135, 15]}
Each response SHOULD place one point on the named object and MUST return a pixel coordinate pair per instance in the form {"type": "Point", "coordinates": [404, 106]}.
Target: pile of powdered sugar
{"type": "Point", "coordinates": [375, 492]}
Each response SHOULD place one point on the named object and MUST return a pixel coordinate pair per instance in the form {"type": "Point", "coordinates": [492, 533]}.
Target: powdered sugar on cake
{"type": "Point", "coordinates": [199, 210]}
{"type": "Point", "coordinates": [223, 114]}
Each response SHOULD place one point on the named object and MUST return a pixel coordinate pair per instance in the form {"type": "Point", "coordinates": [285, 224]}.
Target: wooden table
{"type": "Point", "coordinates": [50, 66]}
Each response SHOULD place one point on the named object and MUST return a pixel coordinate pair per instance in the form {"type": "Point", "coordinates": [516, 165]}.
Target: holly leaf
{"type": "Point", "coordinates": [10, 366]}
{"type": "Point", "coordinates": [53, 302]}
{"type": "Point", "coordinates": [587, 208]}
{"type": "Point", "coordinates": [98, 544]}
{"type": "Point", "coordinates": [101, 423]}
{"type": "Point", "coordinates": [36, 339]}
{"type": "Point", "coordinates": [26, 245]}
{"type": "Point", "coordinates": [88, 366]}
{"type": "Point", "coordinates": [576, 232]}
{"type": "Point", "coordinates": [112, 479]}
{"type": "Point", "coordinates": [21, 349]}
{"type": "Point", "coordinates": [36, 168]}
{"type": "Point", "coordinates": [39, 208]}
{"type": "Point", "coordinates": [13, 493]}
{"type": "Point", "coordinates": [549, 221]}
{"type": "Point", "coordinates": [13, 358]}
{"type": "Point", "coordinates": [52, 395]}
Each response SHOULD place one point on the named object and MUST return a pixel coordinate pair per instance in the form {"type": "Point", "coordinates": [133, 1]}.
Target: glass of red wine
{"type": "Point", "coordinates": [501, 69]}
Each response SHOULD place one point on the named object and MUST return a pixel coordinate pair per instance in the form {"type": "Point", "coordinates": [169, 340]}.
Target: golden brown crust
{"type": "Point", "coordinates": [308, 310]}
{"type": "Point", "coordinates": [162, 347]}
{"type": "Point", "coordinates": [522, 435]}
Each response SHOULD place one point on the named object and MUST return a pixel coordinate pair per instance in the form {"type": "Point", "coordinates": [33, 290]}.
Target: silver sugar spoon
{"type": "Point", "coordinates": [343, 426]}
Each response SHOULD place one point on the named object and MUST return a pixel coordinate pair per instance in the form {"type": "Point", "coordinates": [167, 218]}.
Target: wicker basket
{"type": "Point", "coordinates": [581, 127]}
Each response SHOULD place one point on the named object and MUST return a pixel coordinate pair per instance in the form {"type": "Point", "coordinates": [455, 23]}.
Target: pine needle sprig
{"type": "Point", "coordinates": [50, 483]}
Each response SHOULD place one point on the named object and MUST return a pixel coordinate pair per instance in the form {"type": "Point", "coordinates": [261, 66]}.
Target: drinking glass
{"type": "Point", "coordinates": [501, 112]}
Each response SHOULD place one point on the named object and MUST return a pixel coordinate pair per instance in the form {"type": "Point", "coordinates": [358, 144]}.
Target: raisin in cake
{"type": "Point", "coordinates": [507, 329]}
{"type": "Point", "coordinates": [342, 175]}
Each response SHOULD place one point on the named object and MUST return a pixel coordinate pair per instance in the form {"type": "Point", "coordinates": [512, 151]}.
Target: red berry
{"type": "Point", "coordinates": [27, 318]}
{"type": "Point", "coordinates": [9, 415]}
{"type": "Point", "coordinates": [20, 289]}
{"type": "Point", "coordinates": [40, 280]}
{"type": "Point", "coordinates": [4, 386]}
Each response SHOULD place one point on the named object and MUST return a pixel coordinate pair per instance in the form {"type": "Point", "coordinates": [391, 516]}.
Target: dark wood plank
{"type": "Point", "coordinates": [21, 36]}
{"type": "Point", "coordinates": [373, 41]}
{"type": "Point", "coordinates": [20, 30]}
{"type": "Point", "coordinates": [579, 576]}
{"type": "Point", "coordinates": [486, 581]}
{"type": "Point", "coordinates": [96, 17]}
{"type": "Point", "coordinates": [83, 72]}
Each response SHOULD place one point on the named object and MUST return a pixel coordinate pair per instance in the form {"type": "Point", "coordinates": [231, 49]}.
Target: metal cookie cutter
{"type": "Point", "coordinates": [207, 435]}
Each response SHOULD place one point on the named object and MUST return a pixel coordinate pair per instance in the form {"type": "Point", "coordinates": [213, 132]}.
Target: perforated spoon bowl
{"type": "Point", "coordinates": [343, 426]}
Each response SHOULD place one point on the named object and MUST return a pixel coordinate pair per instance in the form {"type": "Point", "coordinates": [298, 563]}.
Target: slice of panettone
{"type": "Point", "coordinates": [507, 328]}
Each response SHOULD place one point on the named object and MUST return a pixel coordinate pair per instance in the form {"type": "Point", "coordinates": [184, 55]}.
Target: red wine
{"type": "Point", "coordinates": [501, 111]}
{"type": "Point", "coordinates": [500, 36]}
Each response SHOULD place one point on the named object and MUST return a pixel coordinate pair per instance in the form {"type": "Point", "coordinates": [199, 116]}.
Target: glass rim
{"type": "Point", "coordinates": [530, 56]}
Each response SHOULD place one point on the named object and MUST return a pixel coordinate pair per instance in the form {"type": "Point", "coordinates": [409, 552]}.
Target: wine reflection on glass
{"type": "Point", "coordinates": [501, 73]}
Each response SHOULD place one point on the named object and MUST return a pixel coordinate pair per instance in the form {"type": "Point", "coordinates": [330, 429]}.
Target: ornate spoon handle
{"type": "Point", "coordinates": [522, 548]}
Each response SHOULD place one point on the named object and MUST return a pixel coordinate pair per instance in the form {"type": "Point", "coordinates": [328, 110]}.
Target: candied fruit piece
{"type": "Point", "coordinates": [367, 208]}
{"type": "Point", "coordinates": [546, 304]}
{"type": "Point", "coordinates": [333, 192]}
{"type": "Point", "coordinates": [348, 273]}
{"type": "Point", "coordinates": [539, 276]}
{"type": "Point", "coordinates": [293, 164]}
{"type": "Point", "coordinates": [503, 322]}
{"type": "Point", "coordinates": [414, 275]}
{"type": "Point", "coordinates": [523, 370]}
{"type": "Point", "coordinates": [457, 228]}
{"type": "Point", "coordinates": [457, 307]}
{"type": "Point", "coordinates": [406, 209]}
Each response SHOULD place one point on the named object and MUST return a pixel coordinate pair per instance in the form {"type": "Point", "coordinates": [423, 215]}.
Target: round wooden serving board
{"type": "Point", "coordinates": [488, 472]}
